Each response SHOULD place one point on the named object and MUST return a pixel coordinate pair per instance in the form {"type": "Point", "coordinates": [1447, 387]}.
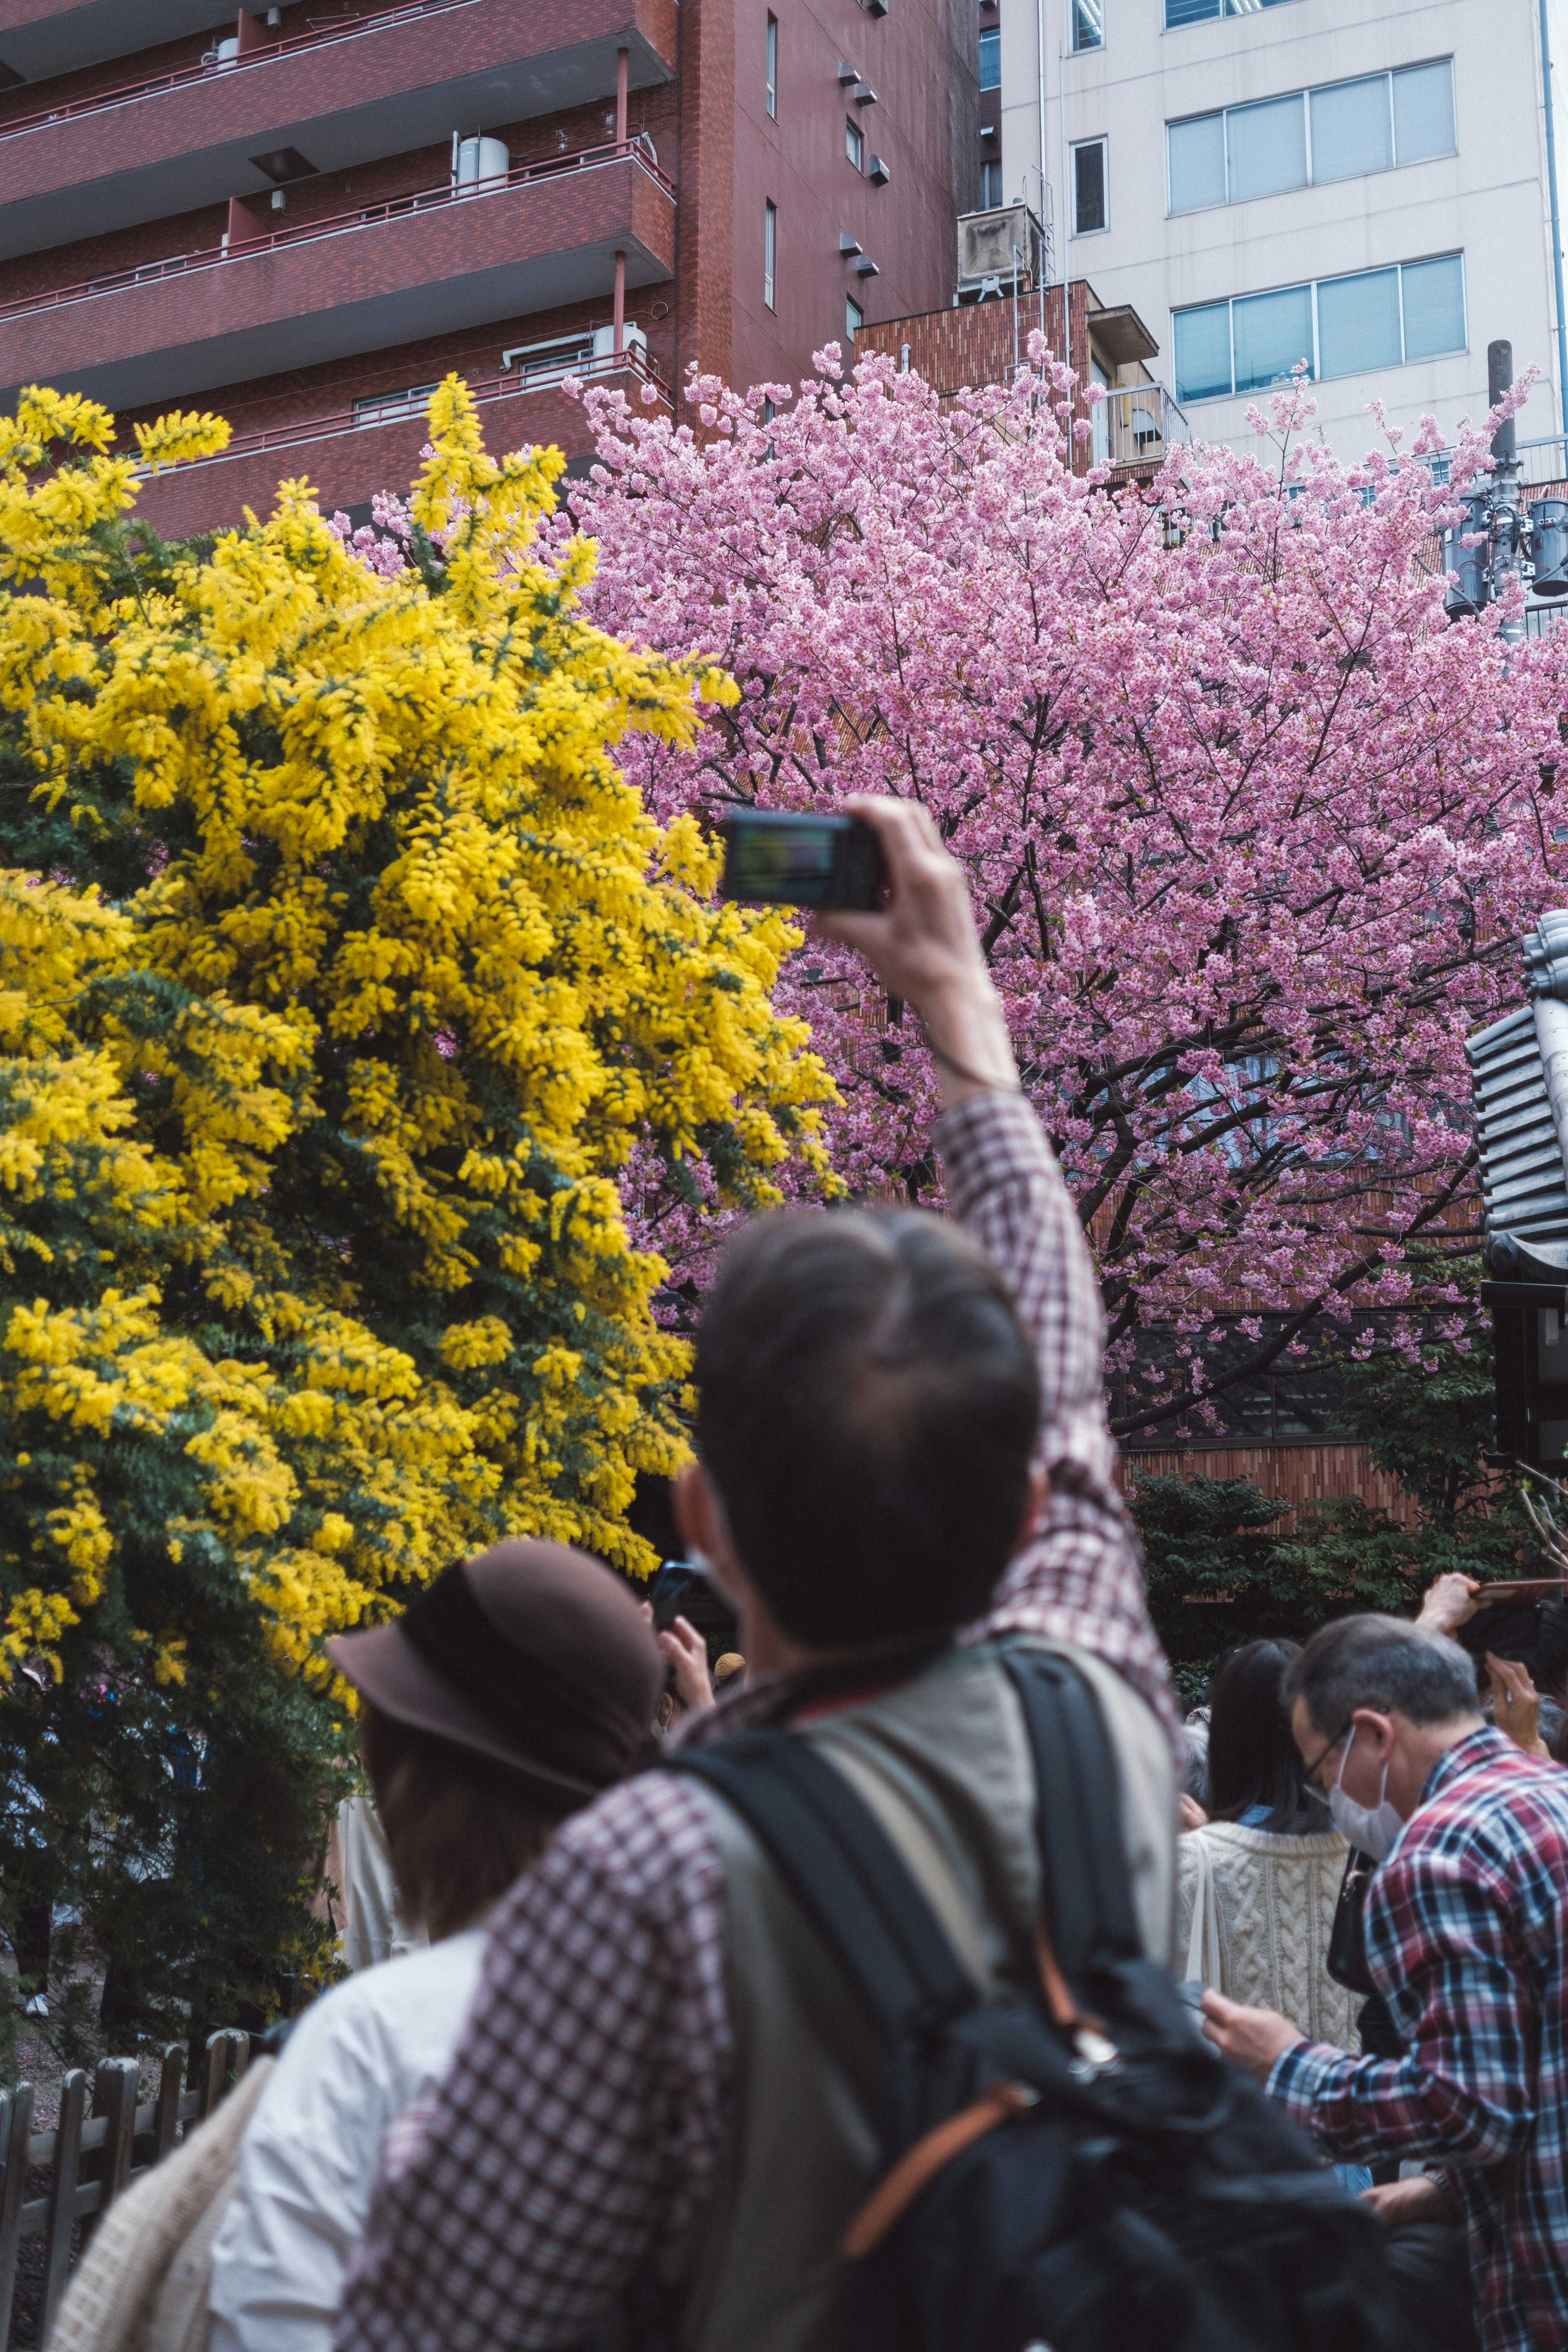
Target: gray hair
{"type": "Point", "coordinates": [1380, 1662]}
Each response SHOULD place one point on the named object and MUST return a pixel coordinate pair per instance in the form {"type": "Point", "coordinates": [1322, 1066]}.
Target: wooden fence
{"type": "Point", "coordinates": [118, 2142]}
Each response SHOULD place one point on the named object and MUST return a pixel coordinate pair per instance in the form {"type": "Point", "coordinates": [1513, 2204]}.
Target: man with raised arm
{"type": "Point", "coordinates": [904, 1459]}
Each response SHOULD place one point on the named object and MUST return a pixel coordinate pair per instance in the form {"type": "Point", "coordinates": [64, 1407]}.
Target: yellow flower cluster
{"type": "Point", "coordinates": [310, 1135]}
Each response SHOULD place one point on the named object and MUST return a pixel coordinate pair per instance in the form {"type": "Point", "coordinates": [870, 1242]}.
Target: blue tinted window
{"type": "Point", "coordinates": [991, 57]}
{"type": "Point", "coordinates": [1196, 154]}
{"type": "Point", "coordinates": [1358, 322]}
{"type": "Point", "coordinates": [1267, 148]}
{"type": "Point", "coordinates": [1203, 351]}
{"type": "Point", "coordinates": [1433, 307]}
{"type": "Point", "coordinates": [1271, 333]}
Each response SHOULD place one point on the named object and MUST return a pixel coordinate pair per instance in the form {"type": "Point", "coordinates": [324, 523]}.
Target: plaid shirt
{"type": "Point", "coordinates": [1466, 1938]}
{"type": "Point", "coordinates": [584, 2117]}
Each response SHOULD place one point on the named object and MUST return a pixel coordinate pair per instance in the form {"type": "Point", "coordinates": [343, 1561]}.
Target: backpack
{"type": "Point", "coordinates": [1071, 2167]}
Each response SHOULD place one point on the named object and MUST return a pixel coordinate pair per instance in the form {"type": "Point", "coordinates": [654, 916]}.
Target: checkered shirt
{"type": "Point", "coordinates": [1466, 1939]}
{"type": "Point", "coordinates": [584, 2117]}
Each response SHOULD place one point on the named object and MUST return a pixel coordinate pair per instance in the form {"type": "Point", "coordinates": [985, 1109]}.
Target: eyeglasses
{"type": "Point", "coordinates": [1312, 1771]}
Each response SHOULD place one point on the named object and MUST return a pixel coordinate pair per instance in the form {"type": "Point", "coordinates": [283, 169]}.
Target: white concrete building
{"type": "Point", "coordinates": [1298, 180]}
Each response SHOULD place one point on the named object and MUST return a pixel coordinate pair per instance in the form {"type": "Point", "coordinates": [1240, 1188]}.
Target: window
{"type": "Point", "coordinates": [1339, 326]}
{"type": "Point", "coordinates": [770, 252]}
{"type": "Point", "coordinates": [1197, 12]}
{"type": "Point", "coordinates": [385, 407]}
{"type": "Point", "coordinates": [990, 187]}
{"type": "Point", "coordinates": [1314, 136]}
{"type": "Point", "coordinates": [990, 57]}
{"type": "Point", "coordinates": [774, 66]}
{"type": "Point", "coordinates": [854, 319]}
{"type": "Point", "coordinates": [1088, 23]}
{"type": "Point", "coordinates": [855, 144]}
{"type": "Point", "coordinates": [1088, 187]}
{"type": "Point", "coordinates": [1265, 148]}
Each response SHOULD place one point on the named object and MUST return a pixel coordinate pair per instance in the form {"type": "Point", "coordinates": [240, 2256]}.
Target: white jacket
{"type": "Point", "coordinates": [360, 2057]}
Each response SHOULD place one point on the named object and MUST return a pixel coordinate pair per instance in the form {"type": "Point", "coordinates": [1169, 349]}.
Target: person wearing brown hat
{"type": "Point", "coordinates": [507, 1695]}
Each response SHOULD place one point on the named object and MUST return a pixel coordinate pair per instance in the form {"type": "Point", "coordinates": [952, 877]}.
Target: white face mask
{"type": "Point", "coordinates": [1371, 1828]}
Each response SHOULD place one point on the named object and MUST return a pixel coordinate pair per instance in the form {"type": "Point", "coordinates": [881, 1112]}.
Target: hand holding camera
{"type": "Point", "coordinates": [919, 940]}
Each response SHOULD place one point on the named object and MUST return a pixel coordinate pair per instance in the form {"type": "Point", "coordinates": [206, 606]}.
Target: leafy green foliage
{"type": "Point", "coordinates": [1220, 1570]}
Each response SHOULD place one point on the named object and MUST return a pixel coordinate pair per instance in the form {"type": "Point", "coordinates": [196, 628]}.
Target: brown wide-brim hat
{"type": "Point", "coordinates": [532, 1654]}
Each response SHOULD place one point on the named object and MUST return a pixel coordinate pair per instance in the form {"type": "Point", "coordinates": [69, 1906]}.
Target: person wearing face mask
{"type": "Point", "coordinates": [1466, 1924]}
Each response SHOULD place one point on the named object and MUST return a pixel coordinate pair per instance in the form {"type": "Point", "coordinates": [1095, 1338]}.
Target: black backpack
{"type": "Point", "coordinates": [1072, 2168]}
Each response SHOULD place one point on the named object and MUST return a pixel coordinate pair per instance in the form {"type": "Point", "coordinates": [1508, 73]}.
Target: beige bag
{"type": "Point", "coordinates": [141, 2287]}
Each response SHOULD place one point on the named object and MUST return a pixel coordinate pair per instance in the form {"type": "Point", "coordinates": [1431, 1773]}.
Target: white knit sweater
{"type": "Point", "coordinates": [1275, 1900]}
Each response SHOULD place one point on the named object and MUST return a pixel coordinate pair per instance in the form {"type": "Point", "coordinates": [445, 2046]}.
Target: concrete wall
{"type": "Point", "coordinates": [1488, 201]}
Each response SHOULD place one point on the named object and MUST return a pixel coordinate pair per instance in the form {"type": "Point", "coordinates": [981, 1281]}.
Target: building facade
{"type": "Point", "coordinates": [304, 216]}
{"type": "Point", "coordinates": [1298, 181]}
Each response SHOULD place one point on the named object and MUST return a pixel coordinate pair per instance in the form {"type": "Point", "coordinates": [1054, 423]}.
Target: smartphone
{"type": "Point", "coordinates": [680, 1589]}
{"type": "Point", "coordinates": [773, 858]}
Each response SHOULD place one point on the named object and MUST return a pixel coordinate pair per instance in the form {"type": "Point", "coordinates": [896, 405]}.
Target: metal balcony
{"type": "Point", "coordinates": [387, 83]}
{"type": "Point", "coordinates": [351, 453]}
{"type": "Point", "coordinates": [1136, 426]}
{"type": "Point", "coordinates": [428, 263]}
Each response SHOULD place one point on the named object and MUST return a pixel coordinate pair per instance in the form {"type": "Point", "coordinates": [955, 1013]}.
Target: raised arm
{"type": "Point", "coordinates": [1078, 1577]}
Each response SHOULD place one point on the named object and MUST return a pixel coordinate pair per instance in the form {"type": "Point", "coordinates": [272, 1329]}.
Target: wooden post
{"type": "Point", "coordinates": [617, 339]}
{"type": "Point", "coordinates": [623, 59]}
{"type": "Point", "coordinates": [114, 2098]}
{"type": "Point", "coordinates": [228, 2046]}
{"type": "Point", "coordinates": [60, 2206]}
{"type": "Point", "coordinates": [15, 2130]}
{"type": "Point", "coordinates": [166, 2113]}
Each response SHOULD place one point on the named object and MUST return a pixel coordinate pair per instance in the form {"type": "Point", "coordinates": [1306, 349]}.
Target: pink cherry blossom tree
{"type": "Point", "coordinates": [1251, 827]}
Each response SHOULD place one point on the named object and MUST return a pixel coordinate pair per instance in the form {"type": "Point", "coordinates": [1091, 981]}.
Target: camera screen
{"type": "Point", "coordinates": [791, 867]}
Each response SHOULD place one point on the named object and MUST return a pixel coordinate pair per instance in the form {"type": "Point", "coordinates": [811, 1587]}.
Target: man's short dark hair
{"type": "Point", "coordinates": [867, 1410]}
{"type": "Point", "coordinates": [1380, 1662]}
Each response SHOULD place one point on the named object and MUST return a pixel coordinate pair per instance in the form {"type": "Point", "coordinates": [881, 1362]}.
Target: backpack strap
{"type": "Point", "coordinates": [1086, 1889]}
{"type": "Point", "coordinates": [845, 1873]}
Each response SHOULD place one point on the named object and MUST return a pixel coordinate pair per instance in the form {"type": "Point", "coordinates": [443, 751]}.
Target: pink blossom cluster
{"type": "Point", "coordinates": [381, 544]}
{"type": "Point", "coordinates": [1251, 827]}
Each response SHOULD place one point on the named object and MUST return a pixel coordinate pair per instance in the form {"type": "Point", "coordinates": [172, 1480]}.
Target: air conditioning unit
{"type": "Point", "coordinates": [1000, 246]}
{"type": "Point", "coordinates": [632, 339]}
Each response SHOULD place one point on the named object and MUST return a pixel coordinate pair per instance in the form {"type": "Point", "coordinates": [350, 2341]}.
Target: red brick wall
{"type": "Point", "coordinates": [330, 193]}
{"type": "Point", "coordinates": [980, 342]}
{"type": "Point", "coordinates": [921, 60]}
{"type": "Point", "coordinates": [618, 202]}
{"type": "Point", "coordinates": [704, 302]}
{"type": "Point", "coordinates": [318, 392]}
{"type": "Point", "coordinates": [259, 104]}
{"type": "Point", "coordinates": [348, 468]}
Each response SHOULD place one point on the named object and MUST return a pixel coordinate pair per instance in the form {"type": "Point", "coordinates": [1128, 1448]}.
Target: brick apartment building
{"type": "Point", "coordinates": [303, 216]}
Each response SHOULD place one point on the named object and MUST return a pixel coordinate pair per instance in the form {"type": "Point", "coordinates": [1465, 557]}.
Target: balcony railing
{"type": "Point", "coordinates": [218, 256]}
{"type": "Point", "coordinates": [484, 389]}
{"type": "Point", "coordinates": [213, 67]}
{"type": "Point", "coordinates": [1137, 425]}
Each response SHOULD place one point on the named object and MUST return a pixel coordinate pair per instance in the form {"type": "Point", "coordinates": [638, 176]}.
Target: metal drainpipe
{"type": "Point", "coordinates": [1040, 60]}
{"type": "Point", "coordinates": [1067, 212]}
{"type": "Point", "coordinates": [1556, 221]}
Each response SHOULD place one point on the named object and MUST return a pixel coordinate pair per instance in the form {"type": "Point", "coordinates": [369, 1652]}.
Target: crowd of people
{"type": "Point", "coordinates": [612, 2089]}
